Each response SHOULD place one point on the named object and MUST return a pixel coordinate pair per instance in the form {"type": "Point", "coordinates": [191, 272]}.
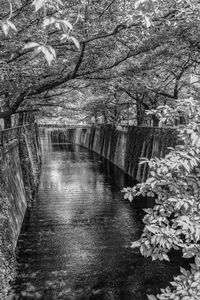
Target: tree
{"type": "Point", "coordinates": [20, 73]}
{"type": "Point", "coordinates": [157, 56]}
{"type": "Point", "coordinates": [150, 45]}
{"type": "Point", "coordinates": [173, 223]}
{"type": "Point", "coordinates": [105, 104]}
{"type": "Point", "coordinates": [25, 76]}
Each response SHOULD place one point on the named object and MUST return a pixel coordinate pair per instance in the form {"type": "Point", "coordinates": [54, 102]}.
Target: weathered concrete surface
{"type": "Point", "coordinates": [123, 148]}
{"type": "Point", "coordinates": [19, 173]}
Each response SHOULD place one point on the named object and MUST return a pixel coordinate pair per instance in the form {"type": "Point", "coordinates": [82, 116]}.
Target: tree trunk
{"type": "Point", "coordinates": [105, 117]}
{"type": "Point", "coordinates": [7, 122]}
{"type": "Point", "coordinates": [155, 121]}
{"type": "Point", "coordinates": [6, 107]}
{"type": "Point", "coordinates": [140, 114]}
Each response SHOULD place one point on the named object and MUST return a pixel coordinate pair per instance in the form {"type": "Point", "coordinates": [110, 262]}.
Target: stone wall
{"type": "Point", "coordinates": [121, 147]}
{"type": "Point", "coordinates": [20, 159]}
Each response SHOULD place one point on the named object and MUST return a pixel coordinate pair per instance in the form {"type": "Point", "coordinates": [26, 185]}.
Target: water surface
{"type": "Point", "coordinates": [75, 241]}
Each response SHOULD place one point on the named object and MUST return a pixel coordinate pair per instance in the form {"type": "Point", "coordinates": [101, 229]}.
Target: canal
{"type": "Point", "coordinates": [75, 241]}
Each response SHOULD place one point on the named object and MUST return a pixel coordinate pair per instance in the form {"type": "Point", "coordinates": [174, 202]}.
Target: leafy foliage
{"type": "Point", "coordinates": [61, 24]}
{"type": "Point", "coordinates": [174, 181]}
{"type": "Point", "coordinates": [147, 49]}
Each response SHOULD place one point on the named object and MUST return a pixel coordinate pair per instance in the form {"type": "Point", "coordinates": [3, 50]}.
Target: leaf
{"type": "Point", "coordinates": [58, 26]}
{"type": "Point", "coordinates": [64, 37]}
{"type": "Point", "coordinates": [188, 254]}
{"type": "Point", "coordinates": [66, 25]}
{"type": "Point", "coordinates": [138, 3]}
{"type": "Point", "coordinates": [150, 180]}
{"type": "Point", "coordinates": [49, 21]}
{"type": "Point", "coordinates": [143, 162]}
{"type": "Point", "coordinates": [197, 261]}
{"type": "Point", "coordinates": [148, 210]}
{"type": "Point", "coordinates": [49, 57]}
{"type": "Point", "coordinates": [151, 297]}
{"type": "Point", "coordinates": [152, 228]}
{"type": "Point", "coordinates": [31, 45]}
{"type": "Point", "coordinates": [49, 53]}
{"type": "Point", "coordinates": [11, 25]}
{"type": "Point", "coordinates": [51, 49]}
{"type": "Point", "coordinates": [135, 244]}
{"type": "Point", "coordinates": [194, 284]}
{"type": "Point", "coordinates": [38, 4]}
{"type": "Point", "coordinates": [5, 28]}
{"type": "Point", "coordinates": [166, 257]}
{"type": "Point", "coordinates": [130, 197]}
{"type": "Point", "coordinates": [147, 21]}
{"type": "Point", "coordinates": [75, 41]}
{"type": "Point", "coordinates": [184, 271]}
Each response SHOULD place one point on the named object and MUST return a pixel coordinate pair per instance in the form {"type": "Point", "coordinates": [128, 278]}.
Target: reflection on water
{"type": "Point", "coordinates": [75, 241]}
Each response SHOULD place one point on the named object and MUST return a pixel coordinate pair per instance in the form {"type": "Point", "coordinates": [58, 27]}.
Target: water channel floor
{"type": "Point", "coordinates": [75, 241]}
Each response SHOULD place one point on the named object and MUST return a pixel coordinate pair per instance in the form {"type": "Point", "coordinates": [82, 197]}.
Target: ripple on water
{"type": "Point", "coordinates": [75, 241]}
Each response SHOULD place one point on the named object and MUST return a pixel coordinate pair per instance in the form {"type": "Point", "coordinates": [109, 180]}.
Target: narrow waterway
{"type": "Point", "coordinates": [75, 241]}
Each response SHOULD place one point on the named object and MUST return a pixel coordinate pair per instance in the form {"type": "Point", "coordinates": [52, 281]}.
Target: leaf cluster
{"type": "Point", "coordinates": [174, 181]}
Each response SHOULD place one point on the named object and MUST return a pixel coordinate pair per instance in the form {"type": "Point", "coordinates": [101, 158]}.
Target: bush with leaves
{"type": "Point", "coordinates": [51, 17]}
{"type": "Point", "coordinates": [174, 221]}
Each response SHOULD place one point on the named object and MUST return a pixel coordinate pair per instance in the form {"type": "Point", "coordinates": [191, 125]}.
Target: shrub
{"type": "Point", "coordinates": [174, 221]}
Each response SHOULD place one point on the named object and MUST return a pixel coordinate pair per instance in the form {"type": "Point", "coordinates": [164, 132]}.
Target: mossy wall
{"type": "Point", "coordinates": [20, 161]}
{"type": "Point", "coordinates": [123, 148]}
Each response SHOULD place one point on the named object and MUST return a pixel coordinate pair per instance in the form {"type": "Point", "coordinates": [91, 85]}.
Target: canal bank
{"type": "Point", "coordinates": [75, 241]}
{"type": "Point", "coordinates": [123, 147]}
{"type": "Point", "coordinates": [19, 174]}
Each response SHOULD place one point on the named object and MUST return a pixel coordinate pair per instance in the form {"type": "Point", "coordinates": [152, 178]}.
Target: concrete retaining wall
{"type": "Point", "coordinates": [123, 148]}
{"type": "Point", "coordinates": [20, 159]}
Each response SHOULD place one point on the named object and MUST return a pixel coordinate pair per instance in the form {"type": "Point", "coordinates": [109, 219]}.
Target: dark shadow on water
{"type": "Point", "coordinates": [75, 241]}
{"type": "Point", "coordinates": [63, 147]}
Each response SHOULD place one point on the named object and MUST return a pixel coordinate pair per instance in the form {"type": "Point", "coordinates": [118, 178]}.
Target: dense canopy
{"type": "Point", "coordinates": [129, 53]}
